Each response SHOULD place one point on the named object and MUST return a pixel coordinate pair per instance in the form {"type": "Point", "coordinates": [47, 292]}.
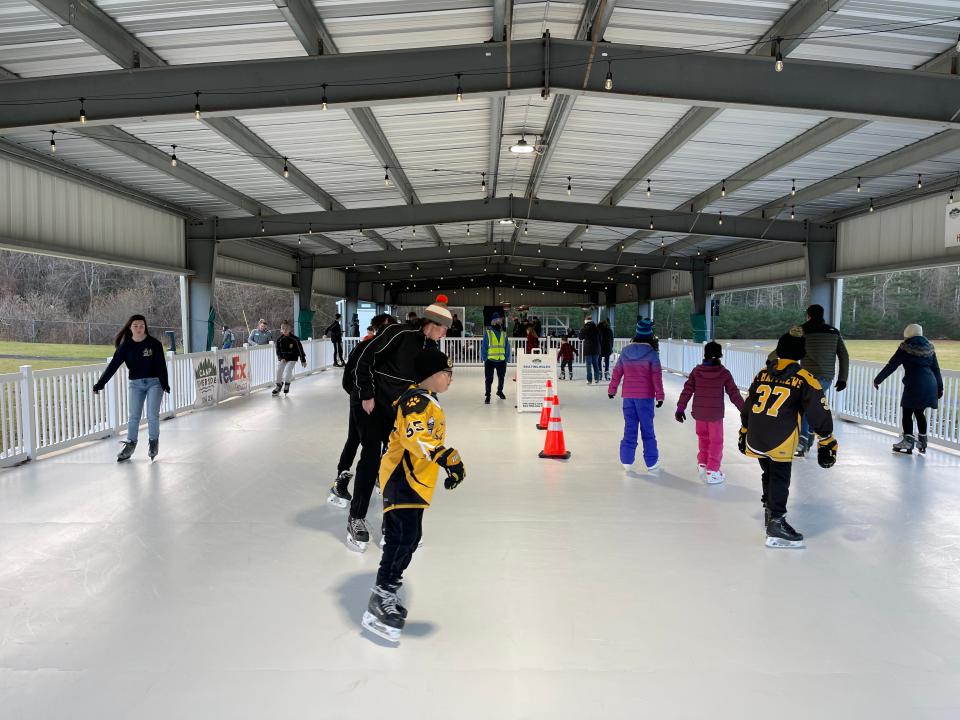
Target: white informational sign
{"type": "Point", "coordinates": [674, 281]}
{"type": "Point", "coordinates": [233, 373]}
{"type": "Point", "coordinates": [533, 371]}
{"type": "Point", "coordinates": [205, 381]}
{"type": "Point", "coordinates": [951, 233]}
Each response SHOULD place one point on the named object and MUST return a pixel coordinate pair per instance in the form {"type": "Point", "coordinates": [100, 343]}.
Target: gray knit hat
{"type": "Point", "coordinates": [438, 312]}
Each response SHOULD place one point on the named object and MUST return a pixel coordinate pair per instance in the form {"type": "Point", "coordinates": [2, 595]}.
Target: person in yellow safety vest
{"type": "Point", "coordinates": [496, 355]}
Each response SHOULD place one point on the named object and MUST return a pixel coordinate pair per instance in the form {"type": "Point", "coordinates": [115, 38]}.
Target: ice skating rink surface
{"type": "Point", "coordinates": [216, 583]}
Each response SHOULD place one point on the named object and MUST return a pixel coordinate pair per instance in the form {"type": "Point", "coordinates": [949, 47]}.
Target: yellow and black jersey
{"type": "Point", "coordinates": [408, 471]}
{"type": "Point", "coordinates": [778, 397]}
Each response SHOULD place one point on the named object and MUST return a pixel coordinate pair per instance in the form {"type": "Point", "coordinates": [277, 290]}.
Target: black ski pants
{"type": "Point", "coordinates": [337, 351]}
{"type": "Point", "coordinates": [374, 432]}
{"type": "Point", "coordinates": [908, 415]}
{"type": "Point", "coordinates": [776, 485]}
{"type": "Point", "coordinates": [489, 366]}
{"type": "Point", "coordinates": [350, 447]}
{"type": "Point", "coordinates": [402, 529]}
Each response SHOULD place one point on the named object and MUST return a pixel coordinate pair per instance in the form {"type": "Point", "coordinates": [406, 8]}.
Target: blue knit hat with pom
{"type": "Point", "coordinates": [644, 329]}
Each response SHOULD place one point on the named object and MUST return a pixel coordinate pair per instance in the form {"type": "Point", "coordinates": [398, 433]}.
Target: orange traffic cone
{"type": "Point", "coordinates": [554, 447]}
{"type": "Point", "coordinates": [548, 403]}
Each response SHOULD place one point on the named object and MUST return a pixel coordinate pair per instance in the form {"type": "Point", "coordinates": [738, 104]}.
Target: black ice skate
{"type": "Point", "coordinates": [339, 495]}
{"type": "Point", "coordinates": [922, 444]}
{"type": "Point", "coordinates": [382, 616]}
{"type": "Point", "coordinates": [276, 390]}
{"type": "Point", "coordinates": [127, 451]}
{"type": "Point", "coordinates": [781, 535]}
{"type": "Point", "coordinates": [286, 388]}
{"type": "Point", "coordinates": [905, 446]}
{"type": "Point", "coordinates": [486, 399]}
{"type": "Point", "coordinates": [802, 447]}
{"type": "Point", "coordinates": [154, 448]}
{"type": "Point", "coordinates": [501, 395]}
{"type": "Point", "coordinates": [357, 534]}
{"type": "Point", "coordinates": [562, 376]}
{"type": "Point", "coordinates": [395, 589]}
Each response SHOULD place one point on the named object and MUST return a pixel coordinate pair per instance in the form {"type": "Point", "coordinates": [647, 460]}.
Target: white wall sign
{"type": "Point", "coordinates": [951, 233]}
{"type": "Point", "coordinates": [533, 371]}
{"type": "Point", "coordinates": [233, 373]}
{"type": "Point", "coordinates": [205, 380]}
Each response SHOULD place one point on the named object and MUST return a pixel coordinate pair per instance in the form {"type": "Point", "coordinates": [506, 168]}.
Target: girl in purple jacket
{"type": "Point", "coordinates": [707, 384]}
{"type": "Point", "coordinates": [639, 366]}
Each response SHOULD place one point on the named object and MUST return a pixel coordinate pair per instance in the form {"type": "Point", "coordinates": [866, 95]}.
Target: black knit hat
{"type": "Point", "coordinates": [429, 362]}
{"type": "Point", "coordinates": [792, 345]}
{"type": "Point", "coordinates": [712, 351]}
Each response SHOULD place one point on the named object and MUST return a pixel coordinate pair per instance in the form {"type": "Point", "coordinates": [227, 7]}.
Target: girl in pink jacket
{"type": "Point", "coordinates": [707, 384]}
{"type": "Point", "coordinates": [639, 366]}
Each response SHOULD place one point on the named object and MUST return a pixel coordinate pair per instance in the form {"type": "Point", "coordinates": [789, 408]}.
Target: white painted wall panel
{"type": "Point", "coordinates": [908, 235]}
{"type": "Point", "coordinates": [45, 213]}
{"type": "Point", "coordinates": [773, 274]}
{"type": "Point", "coordinates": [329, 281]}
{"type": "Point", "coordinates": [484, 296]}
{"type": "Point", "coordinates": [235, 270]}
{"type": "Point", "coordinates": [662, 284]}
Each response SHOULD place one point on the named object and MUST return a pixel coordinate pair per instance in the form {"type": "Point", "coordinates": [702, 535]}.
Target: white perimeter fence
{"type": "Point", "coordinates": [858, 403]}
{"type": "Point", "coordinates": [44, 411]}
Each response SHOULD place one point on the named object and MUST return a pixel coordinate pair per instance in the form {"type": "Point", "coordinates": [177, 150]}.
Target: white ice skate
{"type": "Point", "coordinates": [654, 468]}
{"type": "Point", "coordinates": [336, 500]}
{"type": "Point", "coordinates": [371, 623]}
{"type": "Point", "coordinates": [382, 616]}
{"type": "Point", "coordinates": [626, 467]}
{"type": "Point", "coordinates": [714, 477]}
{"type": "Point", "coordinates": [701, 470]}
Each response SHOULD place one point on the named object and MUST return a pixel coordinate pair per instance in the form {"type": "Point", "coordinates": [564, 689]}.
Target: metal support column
{"type": "Point", "coordinates": [644, 304]}
{"type": "Point", "coordinates": [352, 316]}
{"type": "Point", "coordinates": [303, 299]}
{"type": "Point", "coordinates": [202, 260]}
{"type": "Point", "coordinates": [821, 289]}
{"type": "Point", "coordinates": [698, 276]}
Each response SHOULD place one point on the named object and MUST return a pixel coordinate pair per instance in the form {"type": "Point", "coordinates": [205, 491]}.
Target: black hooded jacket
{"type": "Point", "coordinates": [384, 367]}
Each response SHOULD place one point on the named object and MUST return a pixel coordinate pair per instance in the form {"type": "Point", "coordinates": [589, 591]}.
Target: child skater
{"type": "Point", "coordinates": [781, 394]}
{"type": "Point", "coordinates": [639, 366]}
{"type": "Point", "coordinates": [707, 384]}
{"type": "Point", "coordinates": [408, 475]}
{"type": "Point", "coordinates": [922, 386]}
{"type": "Point", "coordinates": [289, 349]}
{"type": "Point", "coordinates": [566, 354]}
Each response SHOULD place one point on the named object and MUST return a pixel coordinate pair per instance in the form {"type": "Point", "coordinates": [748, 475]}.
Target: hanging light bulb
{"type": "Point", "coordinates": [449, 246]}
{"type": "Point", "coordinates": [483, 182]}
{"type": "Point", "coordinates": [83, 113]}
{"type": "Point", "coordinates": [286, 170]}
{"type": "Point", "coordinates": [792, 214]}
{"type": "Point", "coordinates": [793, 188]}
{"type": "Point", "coordinates": [401, 245]}
{"type": "Point", "coordinates": [323, 100]}
{"type": "Point", "coordinates": [723, 188]}
{"type": "Point", "coordinates": [721, 218]}
{"type": "Point", "coordinates": [196, 107]}
{"type": "Point", "coordinates": [414, 229]}
{"type": "Point", "coordinates": [569, 185]}
{"type": "Point", "coordinates": [309, 228]}
{"type": "Point", "coordinates": [649, 189]}
{"type": "Point", "coordinates": [459, 89]}
{"type": "Point", "coordinates": [651, 222]}
{"type": "Point", "coordinates": [468, 228]}
{"type": "Point", "coordinates": [919, 181]}
{"type": "Point", "coordinates": [859, 189]}
{"type": "Point", "coordinates": [53, 142]}
{"type": "Point", "coordinates": [608, 82]}
{"type": "Point", "coordinates": [871, 204]}
{"type": "Point", "coordinates": [386, 176]}
{"type": "Point", "coordinates": [262, 228]}
{"type": "Point", "coordinates": [586, 229]}
{"type": "Point", "coordinates": [581, 246]}
{"type": "Point", "coordinates": [538, 248]}
{"type": "Point", "coordinates": [778, 64]}
{"type": "Point", "coordinates": [173, 157]}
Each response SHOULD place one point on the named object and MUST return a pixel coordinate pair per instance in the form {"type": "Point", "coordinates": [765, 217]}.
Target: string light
{"type": "Point", "coordinates": [871, 204]}
{"type": "Point", "coordinates": [720, 222]}
{"type": "Point", "coordinates": [651, 222]}
{"type": "Point", "coordinates": [792, 215]}
{"type": "Point", "coordinates": [483, 182]}
{"type": "Point", "coordinates": [459, 89]}
{"type": "Point", "coordinates": [262, 228]}
{"type": "Point", "coordinates": [526, 228]}
{"type": "Point", "coordinates": [414, 229]}
{"type": "Point", "coordinates": [793, 187]}
{"type": "Point", "coordinates": [309, 228]}
{"type": "Point", "coordinates": [608, 82]}
{"type": "Point", "coordinates": [581, 246]}
{"type": "Point", "coordinates": [83, 113]}
{"type": "Point", "coordinates": [723, 188]}
{"type": "Point", "coordinates": [778, 64]}
{"type": "Point", "coordinates": [386, 176]}
{"type": "Point", "coordinates": [286, 170]}
{"type": "Point", "coordinates": [53, 142]}
{"type": "Point", "coordinates": [649, 189]}
{"type": "Point", "coordinates": [173, 157]}
{"type": "Point", "coordinates": [919, 181]}
{"type": "Point", "coordinates": [569, 185]}
{"type": "Point", "coordinates": [196, 107]}
{"type": "Point", "coordinates": [586, 229]}
{"type": "Point", "coordinates": [538, 244]}
{"type": "Point", "coordinates": [468, 228]}
{"type": "Point", "coordinates": [859, 189]}
{"type": "Point", "coordinates": [323, 100]}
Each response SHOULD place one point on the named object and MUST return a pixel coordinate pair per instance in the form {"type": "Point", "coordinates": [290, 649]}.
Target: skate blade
{"type": "Point", "coordinates": [773, 542]}
{"type": "Point", "coordinates": [718, 481]}
{"type": "Point", "coordinates": [356, 545]}
{"type": "Point", "coordinates": [903, 452]}
{"type": "Point", "coordinates": [337, 500]}
{"type": "Point", "coordinates": [371, 623]}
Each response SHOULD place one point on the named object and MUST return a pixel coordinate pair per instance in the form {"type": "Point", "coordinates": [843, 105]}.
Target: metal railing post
{"type": "Point", "coordinates": [28, 435]}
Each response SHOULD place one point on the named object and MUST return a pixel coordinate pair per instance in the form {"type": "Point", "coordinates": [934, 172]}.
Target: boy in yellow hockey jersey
{"type": "Point", "coordinates": [408, 476]}
{"type": "Point", "coordinates": [779, 397]}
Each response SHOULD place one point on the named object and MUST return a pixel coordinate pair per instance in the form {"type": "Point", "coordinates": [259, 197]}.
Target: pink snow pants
{"type": "Point", "coordinates": [710, 437]}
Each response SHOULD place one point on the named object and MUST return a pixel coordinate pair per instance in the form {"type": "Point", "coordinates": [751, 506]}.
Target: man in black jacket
{"type": "Point", "coordinates": [335, 331]}
{"type": "Point", "coordinates": [824, 348]}
{"type": "Point", "coordinates": [289, 350]}
{"type": "Point", "coordinates": [606, 346]}
{"type": "Point", "coordinates": [384, 371]}
{"type": "Point", "coordinates": [591, 350]}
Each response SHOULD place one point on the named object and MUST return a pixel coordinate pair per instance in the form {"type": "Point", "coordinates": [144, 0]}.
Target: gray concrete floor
{"type": "Point", "coordinates": [215, 583]}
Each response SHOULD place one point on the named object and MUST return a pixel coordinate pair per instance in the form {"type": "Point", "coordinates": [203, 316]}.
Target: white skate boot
{"type": "Point", "coordinates": [714, 477]}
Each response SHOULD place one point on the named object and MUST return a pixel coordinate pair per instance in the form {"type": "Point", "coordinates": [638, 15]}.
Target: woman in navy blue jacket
{"type": "Point", "coordinates": [922, 385]}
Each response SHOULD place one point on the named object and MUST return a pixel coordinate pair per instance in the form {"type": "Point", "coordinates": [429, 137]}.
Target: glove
{"type": "Point", "coordinates": [449, 459]}
{"type": "Point", "coordinates": [840, 386]}
{"type": "Point", "coordinates": [659, 403]}
{"type": "Point", "coordinates": [97, 388]}
{"type": "Point", "coordinates": [611, 396]}
{"type": "Point", "coordinates": [827, 452]}
{"type": "Point", "coordinates": [680, 415]}
{"type": "Point", "coordinates": [167, 389]}
{"type": "Point", "coordinates": [742, 441]}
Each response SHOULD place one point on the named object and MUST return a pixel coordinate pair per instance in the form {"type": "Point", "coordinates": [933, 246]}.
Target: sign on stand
{"type": "Point", "coordinates": [533, 371]}
{"type": "Point", "coordinates": [952, 225]}
{"type": "Point", "coordinates": [233, 377]}
{"type": "Point", "coordinates": [205, 380]}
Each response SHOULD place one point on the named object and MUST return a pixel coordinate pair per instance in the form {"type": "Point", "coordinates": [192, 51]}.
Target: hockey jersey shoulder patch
{"type": "Point", "coordinates": [414, 403]}
{"type": "Point", "coordinates": [811, 380]}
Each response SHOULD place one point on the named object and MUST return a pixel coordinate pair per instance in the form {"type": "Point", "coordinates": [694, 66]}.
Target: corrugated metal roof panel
{"type": "Point", "coordinates": [521, 114]}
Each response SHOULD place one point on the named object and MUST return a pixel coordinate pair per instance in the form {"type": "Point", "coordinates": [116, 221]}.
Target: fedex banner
{"type": "Point", "coordinates": [233, 377]}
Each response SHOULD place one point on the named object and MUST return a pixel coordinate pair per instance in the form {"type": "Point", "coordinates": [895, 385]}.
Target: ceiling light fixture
{"type": "Point", "coordinates": [778, 63]}
{"type": "Point", "coordinates": [522, 147]}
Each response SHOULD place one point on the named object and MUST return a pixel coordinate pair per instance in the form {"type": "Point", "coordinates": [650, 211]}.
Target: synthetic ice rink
{"type": "Point", "coordinates": [216, 583]}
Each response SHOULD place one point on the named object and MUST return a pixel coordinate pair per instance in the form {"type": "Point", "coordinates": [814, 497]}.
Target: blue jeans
{"type": "Point", "coordinates": [593, 367]}
{"type": "Point", "coordinates": [805, 431]}
{"type": "Point", "coordinates": [638, 415]}
{"type": "Point", "coordinates": [144, 390]}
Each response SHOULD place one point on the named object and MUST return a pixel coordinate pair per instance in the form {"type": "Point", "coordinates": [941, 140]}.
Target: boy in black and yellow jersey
{"type": "Point", "coordinates": [408, 476]}
{"type": "Point", "coordinates": [779, 397]}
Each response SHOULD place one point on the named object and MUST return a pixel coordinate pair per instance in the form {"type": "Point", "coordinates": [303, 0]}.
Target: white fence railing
{"type": "Point", "coordinates": [47, 410]}
{"type": "Point", "coordinates": [858, 403]}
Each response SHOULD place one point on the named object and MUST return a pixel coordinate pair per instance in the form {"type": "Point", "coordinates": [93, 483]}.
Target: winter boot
{"type": "Point", "coordinates": [382, 616]}
{"type": "Point", "coordinates": [154, 448]}
{"type": "Point", "coordinates": [357, 534]}
{"type": "Point", "coordinates": [286, 388]}
{"type": "Point", "coordinates": [922, 444]}
{"type": "Point", "coordinates": [905, 445]}
{"type": "Point", "coordinates": [127, 451]}
{"type": "Point", "coordinates": [781, 535]}
{"type": "Point", "coordinates": [276, 390]}
{"type": "Point", "coordinates": [339, 495]}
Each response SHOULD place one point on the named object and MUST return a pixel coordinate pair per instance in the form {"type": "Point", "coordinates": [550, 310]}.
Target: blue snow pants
{"type": "Point", "coordinates": [638, 415]}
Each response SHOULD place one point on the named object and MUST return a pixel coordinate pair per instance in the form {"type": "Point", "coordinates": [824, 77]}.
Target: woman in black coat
{"type": "Point", "coordinates": [922, 385]}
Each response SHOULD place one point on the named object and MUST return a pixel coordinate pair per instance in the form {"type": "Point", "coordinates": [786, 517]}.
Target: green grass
{"type": "Point", "coordinates": [948, 351]}
{"type": "Point", "coordinates": [54, 355]}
